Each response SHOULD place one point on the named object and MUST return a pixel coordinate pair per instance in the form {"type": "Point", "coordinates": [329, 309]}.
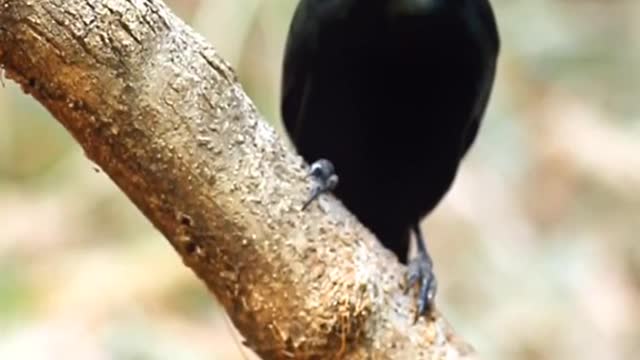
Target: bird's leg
{"type": "Point", "coordinates": [421, 273]}
{"type": "Point", "coordinates": [325, 179]}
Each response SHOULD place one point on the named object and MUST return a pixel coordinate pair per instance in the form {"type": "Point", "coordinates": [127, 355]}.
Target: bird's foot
{"type": "Point", "coordinates": [420, 273]}
{"type": "Point", "coordinates": [325, 179]}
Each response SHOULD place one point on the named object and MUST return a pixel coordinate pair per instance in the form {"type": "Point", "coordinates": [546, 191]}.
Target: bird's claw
{"type": "Point", "coordinates": [420, 273]}
{"type": "Point", "coordinates": [325, 179]}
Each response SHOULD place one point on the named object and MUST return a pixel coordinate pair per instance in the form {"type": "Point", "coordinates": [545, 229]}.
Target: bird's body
{"type": "Point", "coordinates": [392, 92]}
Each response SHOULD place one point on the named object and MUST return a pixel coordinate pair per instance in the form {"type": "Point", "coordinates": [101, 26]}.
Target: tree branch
{"type": "Point", "coordinates": [165, 117]}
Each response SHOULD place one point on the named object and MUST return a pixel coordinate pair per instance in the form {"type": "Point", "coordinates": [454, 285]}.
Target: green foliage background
{"type": "Point", "coordinates": [536, 246]}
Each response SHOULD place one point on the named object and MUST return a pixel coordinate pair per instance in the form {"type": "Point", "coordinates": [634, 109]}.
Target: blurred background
{"type": "Point", "coordinates": [536, 246]}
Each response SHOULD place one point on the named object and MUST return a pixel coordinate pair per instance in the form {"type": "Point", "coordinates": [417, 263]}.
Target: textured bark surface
{"type": "Point", "coordinates": [164, 116]}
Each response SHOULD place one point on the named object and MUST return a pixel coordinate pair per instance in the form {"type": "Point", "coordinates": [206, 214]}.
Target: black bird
{"type": "Point", "coordinates": [392, 93]}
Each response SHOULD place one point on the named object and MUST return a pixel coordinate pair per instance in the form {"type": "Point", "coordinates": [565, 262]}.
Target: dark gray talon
{"type": "Point", "coordinates": [420, 273]}
{"type": "Point", "coordinates": [325, 179]}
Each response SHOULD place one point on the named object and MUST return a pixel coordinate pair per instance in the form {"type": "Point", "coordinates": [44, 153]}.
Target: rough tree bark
{"type": "Point", "coordinates": [164, 116]}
